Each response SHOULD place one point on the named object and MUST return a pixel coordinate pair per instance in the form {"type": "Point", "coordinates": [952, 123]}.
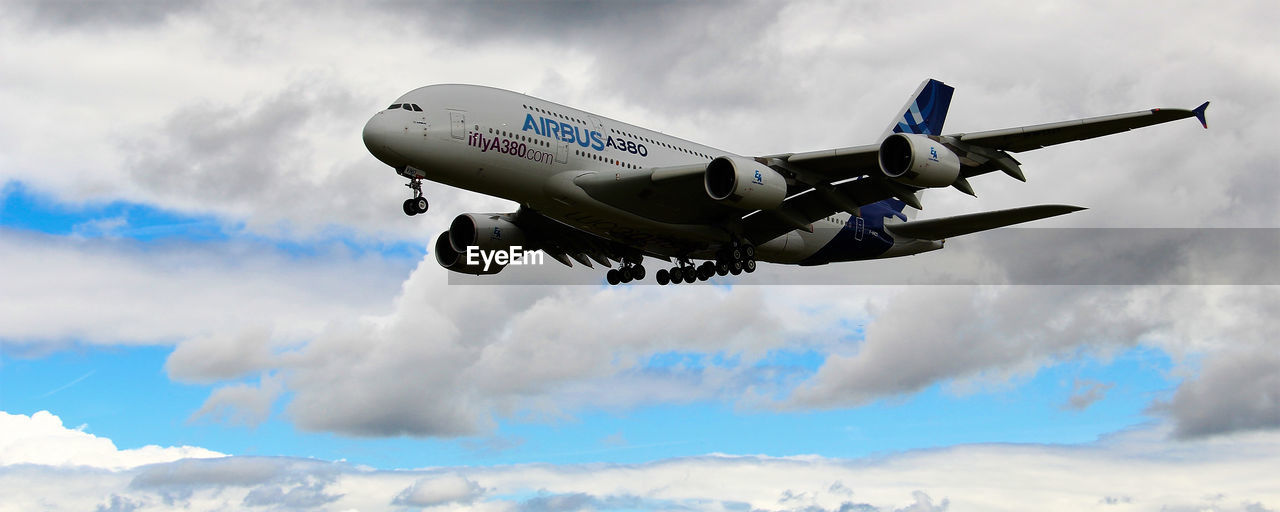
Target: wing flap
{"type": "Point", "coordinates": [806, 207]}
{"type": "Point", "coordinates": [947, 227]}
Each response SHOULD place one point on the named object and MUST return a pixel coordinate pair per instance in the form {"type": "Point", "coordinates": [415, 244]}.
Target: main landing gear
{"type": "Point", "coordinates": [732, 260]}
{"type": "Point", "coordinates": [417, 204]}
{"type": "Point", "coordinates": [629, 271]}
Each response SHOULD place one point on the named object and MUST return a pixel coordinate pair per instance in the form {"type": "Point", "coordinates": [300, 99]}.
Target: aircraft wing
{"type": "Point", "coordinates": [833, 165]}
{"type": "Point", "coordinates": [1027, 138]}
{"type": "Point", "coordinates": [844, 179]}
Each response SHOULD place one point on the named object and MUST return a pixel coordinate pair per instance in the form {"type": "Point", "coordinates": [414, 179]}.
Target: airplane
{"type": "Point", "coordinates": [593, 189]}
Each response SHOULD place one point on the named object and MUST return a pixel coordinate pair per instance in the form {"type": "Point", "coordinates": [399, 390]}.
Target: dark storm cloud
{"type": "Point", "coordinates": [678, 56]}
{"type": "Point", "coordinates": [1238, 391]}
{"type": "Point", "coordinates": [95, 14]}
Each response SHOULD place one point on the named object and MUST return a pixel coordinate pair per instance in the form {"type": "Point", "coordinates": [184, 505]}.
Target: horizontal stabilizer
{"type": "Point", "coordinates": [947, 227]}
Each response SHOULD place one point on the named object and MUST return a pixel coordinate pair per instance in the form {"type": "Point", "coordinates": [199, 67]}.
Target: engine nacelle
{"type": "Point", "coordinates": [488, 231]}
{"type": "Point", "coordinates": [457, 261]}
{"type": "Point", "coordinates": [744, 183]}
{"type": "Point", "coordinates": [918, 160]}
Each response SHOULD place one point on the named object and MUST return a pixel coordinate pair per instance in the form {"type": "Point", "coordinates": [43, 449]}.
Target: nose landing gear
{"type": "Point", "coordinates": [417, 204]}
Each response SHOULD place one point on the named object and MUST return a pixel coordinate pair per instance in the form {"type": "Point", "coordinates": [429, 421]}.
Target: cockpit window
{"type": "Point", "coordinates": [393, 107]}
{"type": "Point", "coordinates": [405, 106]}
{"type": "Point", "coordinates": [416, 108]}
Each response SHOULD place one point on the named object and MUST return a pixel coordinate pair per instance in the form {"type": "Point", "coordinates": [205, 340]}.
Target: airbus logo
{"type": "Point", "coordinates": [582, 136]}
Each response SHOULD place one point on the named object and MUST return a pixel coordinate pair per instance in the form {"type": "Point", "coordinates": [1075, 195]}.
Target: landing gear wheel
{"type": "Point", "coordinates": [749, 252]}
{"type": "Point", "coordinates": [706, 270]}
{"type": "Point", "coordinates": [735, 253]}
{"type": "Point", "coordinates": [626, 274]}
{"type": "Point", "coordinates": [613, 277]}
{"type": "Point", "coordinates": [736, 268]}
{"type": "Point", "coordinates": [750, 266]}
{"type": "Point", "coordinates": [722, 268]}
{"type": "Point", "coordinates": [662, 277]}
{"type": "Point", "coordinates": [676, 275]}
{"type": "Point", "coordinates": [416, 204]}
{"type": "Point", "coordinates": [690, 274]}
{"type": "Point", "coordinates": [638, 272]}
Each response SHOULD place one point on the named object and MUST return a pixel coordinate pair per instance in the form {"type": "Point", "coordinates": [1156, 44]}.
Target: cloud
{"type": "Point", "coordinates": [447, 368]}
{"type": "Point", "coordinates": [1236, 391]}
{"type": "Point", "coordinates": [925, 335]}
{"type": "Point", "coordinates": [131, 292]}
{"type": "Point", "coordinates": [242, 404]}
{"type": "Point", "coordinates": [104, 15]}
{"type": "Point", "coordinates": [440, 490]}
{"type": "Point", "coordinates": [41, 439]}
{"type": "Point", "coordinates": [1142, 469]}
{"type": "Point", "coordinates": [1085, 393]}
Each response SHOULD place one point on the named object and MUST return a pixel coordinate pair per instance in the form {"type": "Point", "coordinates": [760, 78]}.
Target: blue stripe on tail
{"type": "Point", "coordinates": [927, 113]}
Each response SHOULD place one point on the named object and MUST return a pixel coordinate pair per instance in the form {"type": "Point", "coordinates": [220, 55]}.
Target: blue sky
{"type": "Point", "coordinates": [209, 298]}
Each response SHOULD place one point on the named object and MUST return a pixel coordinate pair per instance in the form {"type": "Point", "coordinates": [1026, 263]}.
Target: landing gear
{"type": "Point", "coordinates": [632, 270]}
{"type": "Point", "coordinates": [686, 271]}
{"type": "Point", "coordinates": [735, 259]}
{"type": "Point", "coordinates": [417, 204]}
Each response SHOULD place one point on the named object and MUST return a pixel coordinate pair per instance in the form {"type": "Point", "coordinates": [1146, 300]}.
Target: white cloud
{"type": "Point", "coordinates": [41, 439]}
{"type": "Point", "coordinates": [440, 490]}
{"type": "Point", "coordinates": [125, 291]}
{"type": "Point", "coordinates": [1138, 470]}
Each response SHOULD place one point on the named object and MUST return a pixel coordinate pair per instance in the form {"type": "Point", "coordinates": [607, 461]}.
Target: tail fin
{"type": "Point", "coordinates": [923, 114]}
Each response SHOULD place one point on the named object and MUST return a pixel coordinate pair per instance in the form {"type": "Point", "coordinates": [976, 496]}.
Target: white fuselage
{"type": "Point", "coordinates": [529, 150]}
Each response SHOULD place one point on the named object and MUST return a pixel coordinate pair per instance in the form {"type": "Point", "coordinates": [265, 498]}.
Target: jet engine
{"type": "Point", "coordinates": [487, 231]}
{"type": "Point", "coordinates": [918, 160]}
{"type": "Point", "coordinates": [744, 183]}
{"type": "Point", "coordinates": [457, 261]}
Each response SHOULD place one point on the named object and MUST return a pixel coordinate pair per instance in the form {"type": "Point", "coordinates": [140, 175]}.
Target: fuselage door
{"type": "Point", "coordinates": [596, 124]}
{"type": "Point", "coordinates": [458, 124]}
{"type": "Point", "coordinates": [562, 152]}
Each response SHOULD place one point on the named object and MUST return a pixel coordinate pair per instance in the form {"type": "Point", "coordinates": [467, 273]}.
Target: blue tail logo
{"type": "Point", "coordinates": [926, 114]}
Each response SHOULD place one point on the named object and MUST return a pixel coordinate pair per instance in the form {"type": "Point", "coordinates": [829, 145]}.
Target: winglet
{"type": "Point", "coordinates": [1199, 112]}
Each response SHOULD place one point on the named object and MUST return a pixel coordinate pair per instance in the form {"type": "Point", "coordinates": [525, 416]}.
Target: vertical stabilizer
{"type": "Point", "coordinates": [925, 112]}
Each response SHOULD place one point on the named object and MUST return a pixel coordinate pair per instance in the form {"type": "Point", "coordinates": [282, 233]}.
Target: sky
{"type": "Point", "coordinates": [210, 299]}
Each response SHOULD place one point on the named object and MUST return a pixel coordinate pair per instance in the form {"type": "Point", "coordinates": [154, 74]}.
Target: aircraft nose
{"type": "Point", "coordinates": [378, 135]}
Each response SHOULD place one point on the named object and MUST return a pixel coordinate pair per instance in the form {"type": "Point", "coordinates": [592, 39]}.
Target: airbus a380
{"type": "Point", "coordinates": [592, 189]}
